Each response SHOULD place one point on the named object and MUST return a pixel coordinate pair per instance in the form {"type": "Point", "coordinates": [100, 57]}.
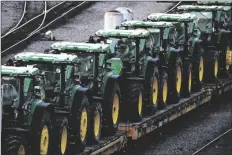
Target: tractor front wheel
{"type": "Point", "coordinates": [95, 122]}
{"type": "Point", "coordinates": [135, 100]}
{"type": "Point", "coordinates": [14, 145]}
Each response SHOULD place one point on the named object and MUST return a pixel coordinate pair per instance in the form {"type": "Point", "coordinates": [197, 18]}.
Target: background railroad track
{"type": "Point", "coordinates": [29, 26]}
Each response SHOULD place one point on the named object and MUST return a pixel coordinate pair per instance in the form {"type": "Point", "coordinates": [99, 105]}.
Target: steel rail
{"type": "Point", "coordinates": [19, 22]}
{"type": "Point", "coordinates": [35, 32]}
{"type": "Point", "coordinates": [211, 142]}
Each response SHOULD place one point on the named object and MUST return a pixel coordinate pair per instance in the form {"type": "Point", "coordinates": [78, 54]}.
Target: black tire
{"type": "Point", "coordinates": [60, 136]}
{"type": "Point", "coordinates": [198, 69]}
{"type": "Point", "coordinates": [211, 66]}
{"type": "Point", "coordinates": [42, 131]}
{"type": "Point", "coordinates": [135, 102]}
{"type": "Point", "coordinates": [187, 79]}
{"type": "Point", "coordinates": [81, 111]}
{"type": "Point", "coordinates": [225, 53]}
{"type": "Point", "coordinates": [95, 120]}
{"type": "Point", "coordinates": [111, 108]}
{"type": "Point", "coordinates": [151, 89]}
{"type": "Point", "coordinates": [175, 89]}
{"type": "Point", "coordinates": [13, 144]}
{"type": "Point", "coordinates": [163, 90]}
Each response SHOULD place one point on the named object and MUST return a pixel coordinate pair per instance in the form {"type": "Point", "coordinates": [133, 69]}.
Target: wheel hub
{"type": "Point", "coordinates": [83, 125]}
{"type": "Point", "coordinates": [115, 109]}
{"type": "Point", "coordinates": [64, 139]}
{"type": "Point", "coordinates": [97, 124]}
{"type": "Point", "coordinates": [201, 69]}
{"type": "Point", "coordinates": [216, 68]}
{"type": "Point", "coordinates": [179, 80]}
{"type": "Point", "coordinates": [155, 91]}
{"type": "Point", "coordinates": [140, 103]}
{"type": "Point", "coordinates": [44, 141]}
{"type": "Point", "coordinates": [228, 58]}
{"type": "Point", "coordinates": [165, 91]}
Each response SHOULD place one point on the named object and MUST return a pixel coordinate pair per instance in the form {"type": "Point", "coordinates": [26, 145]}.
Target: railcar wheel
{"type": "Point", "coordinates": [95, 122]}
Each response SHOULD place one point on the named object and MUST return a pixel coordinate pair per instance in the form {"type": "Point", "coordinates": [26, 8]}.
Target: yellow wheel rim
{"type": "Point", "coordinates": [165, 91]}
{"type": "Point", "coordinates": [179, 79]}
{"type": "Point", "coordinates": [201, 69]}
{"type": "Point", "coordinates": [97, 120]}
{"type": "Point", "coordinates": [21, 150]}
{"type": "Point", "coordinates": [64, 139]}
{"type": "Point", "coordinates": [155, 91]}
{"type": "Point", "coordinates": [216, 68]}
{"type": "Point", "coordinates": [115, 109]}
{"type": "Point", "coordinates": [228, 58]}
{"type": "Point", "coordinates": [190, 81]}
{"type": "Point", "coordinates": [140, 103]}
{"type": "Point", "coordinates": [44, 140]}
{"type": "Point", "coordinates": [84, 121]}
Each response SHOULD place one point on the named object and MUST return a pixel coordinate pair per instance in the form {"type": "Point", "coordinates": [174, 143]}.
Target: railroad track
{"type": "Point", "coordinates": [23, 31]}
{"type": "Point", "coordinates": [212, 142]}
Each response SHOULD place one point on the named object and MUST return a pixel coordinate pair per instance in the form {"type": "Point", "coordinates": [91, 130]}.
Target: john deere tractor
{"type": "Point", "coordinates": [139, 76]}
{"type": "Point", "coordinates": [68, 97]}
{"type": "Point", "coordinates": [27, 121]}
{"type": "Point", "coordinates": [162, 46]}
{"type": "Point", "coordinates": [191, 46]}
{"type": "Point", "coordinates": [101, 78]}
{"type": "Point", "coordinates": [215, 38]}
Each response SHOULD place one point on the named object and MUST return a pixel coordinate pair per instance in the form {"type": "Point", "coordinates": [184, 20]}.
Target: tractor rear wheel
{"type": "Point", "coordinates": [111, 109]}
{"type": "Point", "coordinates": [60, 136]}
{"type": "Point", "coordinates": [211, 66]}
{"type": "Point", "coordinates": [163, 90]}
{"type": "Point", "coordinates": [152, 93]}
{"type": "Point", "coordinates": [14, 145]}
{"type": "Point", "coordinates": [175, 81]}
{"type": "Point", "coordinates": [95, 122]}
{"type": "Point", "coordinates": [135, 100]}
{"type": "Point", "coordinates": [187, 79]}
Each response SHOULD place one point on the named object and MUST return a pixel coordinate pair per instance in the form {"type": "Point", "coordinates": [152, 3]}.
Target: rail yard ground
{"type": "Point", "coordinates": [182, 136]}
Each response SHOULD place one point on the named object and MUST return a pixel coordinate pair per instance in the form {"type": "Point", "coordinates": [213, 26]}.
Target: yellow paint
{"type": "Point", "coordinates": [179, 79]}
{"type": "Point", "coordinates": [216, 68]}
{"type": "Point", "coordinates": [140, 103]}
{"type": "Point", "coordinates": [97, 121]}
{"type": "Point", "coordinates": [201, 69]}
{"type": "Point", "coordinates": [64, 139]}
{"type": "Point", "coordinates": [190, 81]}
{"type": "Point", "coordinates": [155, 91]}
{"type": "Point", "coordinates": [115, 109]}
{"type": "Point", "coordinates": [228, 58]}
{"type": "Point", "coordinates": [165, 91]}
{"type": "Point", "coordinates": [44, 141]}
{"type": "Point", "coordinates": [83, 125]}
{"type": "Point", "coordinates": [21, 150]}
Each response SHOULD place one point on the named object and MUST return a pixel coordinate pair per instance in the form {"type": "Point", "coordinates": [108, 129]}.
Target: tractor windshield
{"type": "Point", "coordinates": [204, 21]}
{"type": "Point", "coordinates": [10, 90]}
{"type": "Point", "coordinates": [179, 32]}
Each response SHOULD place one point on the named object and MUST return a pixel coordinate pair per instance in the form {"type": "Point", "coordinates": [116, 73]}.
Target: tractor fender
{"type": "Point", "coordinates": [37, 112]}
{"type": "Point", "coordinates": [78, 93]}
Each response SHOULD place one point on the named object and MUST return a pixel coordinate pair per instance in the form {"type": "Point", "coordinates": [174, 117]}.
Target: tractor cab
{"type": "Point", "coordinates": [56, 71]}
{"type": "Point", "coordinates": [17, 91]}
{"type": "Point", "coordinates": [128, 45]}
{"type": "Point", "coordinates": [208, 18]}
{"type": "Point", "coordinates": [183, 23]}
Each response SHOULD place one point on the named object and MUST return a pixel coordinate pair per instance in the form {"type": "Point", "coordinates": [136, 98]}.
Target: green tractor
{"type": "Point", "coordinates": [138, 71]}
{"type": "Point", "coordinates": [190, 44]}
{"type": "Point", "coordinates": [24, 114]}
{"type": "Point", "coordinates": [215, 38]}
{"type": "Point", "coordinates": [68, 97]}
{"type": "Point", "coordinates": [99, 76]}
{"type": "Point", "coordinates": [161, 45]}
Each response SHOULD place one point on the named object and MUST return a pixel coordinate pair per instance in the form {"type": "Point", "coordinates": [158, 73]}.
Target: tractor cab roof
{"type": "Point", "coordinates": [35, 57]}
{"type": "Point", "coordinates": [19, 71]}
{"type": "Point", "coordinates": [137, 33]}
{"type": "Point", "coordinates": [203, 8]}
{"type": "Point", "coordinates": [172, 17]}
{"type": "Point", "coordinates": [80, 47]}
{"type": "Point", "coordinates": [224, 3]}
{"type": "Point", "coordinates": [161, 24]}
{"type": "Point", "coordinates": [141, 24]}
